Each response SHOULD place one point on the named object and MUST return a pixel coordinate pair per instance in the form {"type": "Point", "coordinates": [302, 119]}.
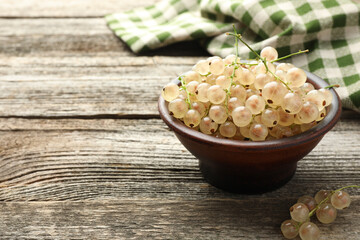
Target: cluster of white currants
{"type": "Point", "coordinates": [325, 205]}
{"type": "Point", "coordinates": [255, 100]}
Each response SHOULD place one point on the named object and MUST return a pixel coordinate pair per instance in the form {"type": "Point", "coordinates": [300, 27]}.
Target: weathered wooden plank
{"type": "Point", "coordinates": [85, 85]}
{"type": "Point", "coordinates": [74, 159]}
{"type": "Point", "coordinates": [73, 36]}
{"type": "Point", "coordinates": [92, 66]}
{"type": "Point", "coordinates": [81, 97]}
{"type": "Point", "coordinates": [23, 36]}
{"type": "Point", "coordinates": [93, 60]}
{"type": "Point", "coordinates": [60, 8]}
{"type": "Point", "coordinates": [246, 218]}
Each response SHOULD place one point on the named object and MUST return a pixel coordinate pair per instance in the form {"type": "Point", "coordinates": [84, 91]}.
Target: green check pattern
{"type": "Point", "coordinates": [330, 29]}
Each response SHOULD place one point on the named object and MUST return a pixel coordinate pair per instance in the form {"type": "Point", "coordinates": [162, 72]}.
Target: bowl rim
{"type": "Point", "coordinates": [325, 125]}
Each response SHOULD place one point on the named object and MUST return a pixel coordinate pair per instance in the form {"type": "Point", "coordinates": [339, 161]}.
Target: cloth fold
{"type": "Point", "coordinates": [330, 29]}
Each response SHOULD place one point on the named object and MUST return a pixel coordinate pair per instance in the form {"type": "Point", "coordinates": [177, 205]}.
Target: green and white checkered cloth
{"type": "Point", "coordinates": [330, 29]}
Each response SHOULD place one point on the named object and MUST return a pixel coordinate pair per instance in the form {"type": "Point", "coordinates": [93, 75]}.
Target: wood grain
{"type": "Point", "coordinates": [70, 83]}
{"type": "Point", "coordinates": [51, 37]}
{"type": "Point", "coordinates": [62, 76]}
{"type": "Point", "coordinates": [63, 9]}
{"type": "Point", "coordinates": [76, 96]}
{"type": "Point", "coordinates": [85, 85]}
{"type": "Point", "coordinates": [84, 154]}
{"type": "Point", "coordinates": [24, 36]}
{"type": "Point", "coordinates": [248, 218]}
{"type": "Point", "coordinates": [77, 159]}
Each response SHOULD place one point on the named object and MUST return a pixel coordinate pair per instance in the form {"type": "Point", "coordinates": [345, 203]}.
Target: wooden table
{"type": "Point", "coordinates": [84, 154]}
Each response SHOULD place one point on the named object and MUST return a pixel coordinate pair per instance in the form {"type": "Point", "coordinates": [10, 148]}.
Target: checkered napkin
{"type": "Point", "coordinates": [330, 29]}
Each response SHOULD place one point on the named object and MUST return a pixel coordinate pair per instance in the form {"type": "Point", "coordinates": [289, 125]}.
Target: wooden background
{"type": "Point", "coordinates": [84, 154]}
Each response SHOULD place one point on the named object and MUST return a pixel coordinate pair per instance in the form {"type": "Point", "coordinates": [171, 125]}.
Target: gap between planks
{"type": "Point", "coordinates": [84, 117]}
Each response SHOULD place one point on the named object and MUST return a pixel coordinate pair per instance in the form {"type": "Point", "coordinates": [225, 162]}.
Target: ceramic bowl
{"type": "Point", "coordinates": [246, 166]}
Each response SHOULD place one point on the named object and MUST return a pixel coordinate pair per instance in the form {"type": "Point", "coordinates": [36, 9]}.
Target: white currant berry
{"type": "Point", "coordinates": [269, 53]}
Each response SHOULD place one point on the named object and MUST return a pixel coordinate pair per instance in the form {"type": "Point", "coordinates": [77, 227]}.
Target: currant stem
{"type": "Point", "coordinates": [290, 55]}
{"type": "Point", "coordinates": [250, 64]}
{"type": "Point", "coordinates": [277, 77]}
{"type": "Point", "coordinates": [183, 86]}
{"type": "Point", "coordinates": [205, 75]}
{"type": "Point", "coordinates": [332, 86]}
{"type": "Point", "coordinates": [350, 186]}
{"type": "Point", "coordinates": [236, 45]}
{"type": "Point", "coordinates": [238, 36]}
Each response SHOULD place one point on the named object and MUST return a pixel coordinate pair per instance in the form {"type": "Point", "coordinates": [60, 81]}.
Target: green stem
{"type": "Point", "coordinates": [290, 55]}
{"type": "Point", "coordinates": [279, 79]}
{"type": "Point", "coordinates": [250, 64]}
{"type": "Point", "coordinates": [350, 186]}
{"type": "Point", "coordinates": [205, 75]}
{"type": "Point", "coordinates": [236, 46]}
{"type": "Point", "coordinates": [332, 86]}
{"type": "Point", "coordinates": [238, 36]}
{"type": "Point", "coordinates": [183, 85]}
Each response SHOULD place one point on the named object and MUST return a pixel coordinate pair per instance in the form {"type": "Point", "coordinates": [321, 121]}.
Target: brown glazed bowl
{"type": "Point", "coordinates": [251, 167]}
